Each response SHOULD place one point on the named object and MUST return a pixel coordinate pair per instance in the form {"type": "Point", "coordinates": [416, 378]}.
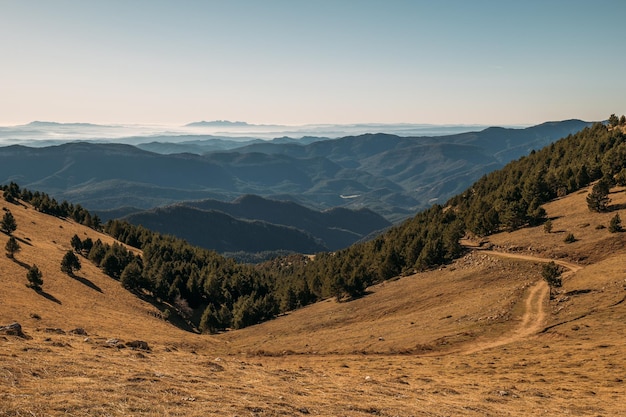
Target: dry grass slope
{"type": "Point", "coordinates": [478, 337]}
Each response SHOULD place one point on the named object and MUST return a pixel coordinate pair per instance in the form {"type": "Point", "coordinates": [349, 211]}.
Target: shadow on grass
{"type": "Point", "coordinates": [24, 241]}
{"type": "Point", "coordinates": [616, 207]}
{"type": "Point", "coordinates": [20, 263]}
{"type": "Point", "coordinates": [174, 318]}
{"type": "Point", "coordinates": [86, 282]}
{"type": "Point", "coordinates": [49, 297]}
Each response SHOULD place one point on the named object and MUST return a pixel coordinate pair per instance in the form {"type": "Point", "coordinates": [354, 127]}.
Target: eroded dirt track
{"type": "Point", "coordinates": [534, 316]}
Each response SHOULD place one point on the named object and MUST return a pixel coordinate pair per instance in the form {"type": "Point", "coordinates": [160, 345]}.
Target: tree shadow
{"type": "Point", "coordinates": [20, 263]}
{"type": "Point", "coordinates": [49, 297]}
{"type": "Point", "coordinates": [616, 207]}
{"type": "Point", "coordinates": [86, 282]}
{"type": "Point", "coordinates": [24, 241]}
{"type": "Point", "coordinates": [174, 319]}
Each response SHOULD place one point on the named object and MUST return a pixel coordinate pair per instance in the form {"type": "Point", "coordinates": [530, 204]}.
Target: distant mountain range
{"type": "Point", "coordinates": [391, 175]}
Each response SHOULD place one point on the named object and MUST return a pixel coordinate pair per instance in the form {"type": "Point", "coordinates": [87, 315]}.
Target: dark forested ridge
{"type": "Point", "coordinates": [221, 232]}
{"type": "Point", "coordinates": [256, 224]}
{"type": "Point", "coordinates": [214, 292]}
{"type": "Point", "coordinates": [391, 175]}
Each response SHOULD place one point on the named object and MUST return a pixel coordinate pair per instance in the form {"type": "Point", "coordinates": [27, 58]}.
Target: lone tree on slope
{"type": "Point", "coordinates": [34, 278]}
{"type": "Point", "coordinates": [70, 263]}
{"type": "Point", "coordinates": [8, 223]}
{"type": "Point", "coordinates": [615, 225]}
{"type": "Point", "coordinates": [12, 247]}
{"type": "Point", "coordinates": [552, 274]}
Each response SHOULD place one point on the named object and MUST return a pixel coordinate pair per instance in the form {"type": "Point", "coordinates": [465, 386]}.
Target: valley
{"type": "Point", "coordinates": [478, 336]}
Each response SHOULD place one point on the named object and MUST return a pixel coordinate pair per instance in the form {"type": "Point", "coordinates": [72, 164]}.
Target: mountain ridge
{"type": "Point", "coordinates": [316, 174]}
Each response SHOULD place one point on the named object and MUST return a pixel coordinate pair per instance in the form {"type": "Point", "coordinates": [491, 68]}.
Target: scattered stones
{"type": "Point", "coordinates": [54, 330]}
{"type": "Point", "coordinates": [215, 367]}
{"type": "Point", "coordinates": [114, 343]}
{"type": "Point", "coordinates": [79, 331]}
{"type": "Point", "coordinates": [13, 329]}
{"type": "Point", "coordinates": [138, 344]}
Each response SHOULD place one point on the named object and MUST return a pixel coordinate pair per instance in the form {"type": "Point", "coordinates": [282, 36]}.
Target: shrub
{"type": "Point", "coordinates": [616, 224]}
{"type": "Point", "coordinates": [570, 238]}
{"type": "Point", "coordinates": [547, 226]}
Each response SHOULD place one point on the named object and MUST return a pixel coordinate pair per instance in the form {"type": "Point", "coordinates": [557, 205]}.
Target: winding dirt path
{"type": "Point", "coordinates": [534, 316]}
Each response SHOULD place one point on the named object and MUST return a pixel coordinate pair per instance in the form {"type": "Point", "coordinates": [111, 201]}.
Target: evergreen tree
{"type": "Point", "coordinates": [209, 323]}
{"type": "Point", "coordinates": [76, 243]}
{"type": "Point", "coordinates": [8, 223]}
{"type": "Point", "coordinates": [613, 120]}
{"type": "Point", "coordinates": [616, 224]}
{"type": "Point", "coordinates": [12, 247]}
{"type": "Point", "coordinates": [598, 198]}
{"type": "Point", "coordinates": [552, 274]}
{"type": "Point", "coordinates": [87, 245]}
{"type": "Point", "coordinates": [547, 226]}
{"type": "Point", "coordinates": [70, 263]}
{"type": "Point", "coordinates": [34, 277]}
{"type": "Point", "coordinates": [131, 276]}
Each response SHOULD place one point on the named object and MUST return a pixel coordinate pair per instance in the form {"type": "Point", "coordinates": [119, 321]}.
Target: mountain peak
{"type": "Point", "coordinates": [217, 123]}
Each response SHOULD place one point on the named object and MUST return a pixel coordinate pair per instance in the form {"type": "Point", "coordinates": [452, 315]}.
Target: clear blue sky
{"type": "Point", "coordinates": [314, 61]}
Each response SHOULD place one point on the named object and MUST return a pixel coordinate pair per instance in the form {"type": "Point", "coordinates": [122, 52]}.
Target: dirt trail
{"type": "Point", "coordinates": [534, 316]}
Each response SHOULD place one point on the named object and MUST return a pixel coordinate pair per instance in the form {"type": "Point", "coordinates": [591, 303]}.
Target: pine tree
{"type": "Point", "coordinates": [34, 278]}
{"type": "Point", "coordinates": [598, 198]}
{"type": "Point", "coordinates": [615, 225]}
{"type": "Point", "coordinates": [11, 247]}
{"type": "Point", "coordinates": [8, 223]}
{"type": "Point", "coordinates": [76, 243]}
{"type": "Point", "coordinates": [552, 274]}
{"type": "Point", "coordinates": [70, 263]}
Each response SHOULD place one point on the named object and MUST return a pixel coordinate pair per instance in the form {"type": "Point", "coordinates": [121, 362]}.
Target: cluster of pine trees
{"type": "Point", "coordinates": [46, 204]}
{"type": "Point", "coordinates": [216, 293]}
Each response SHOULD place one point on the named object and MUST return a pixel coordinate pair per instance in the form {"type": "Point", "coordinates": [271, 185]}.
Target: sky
{"type": "Point", "coordinates": [298, 62]}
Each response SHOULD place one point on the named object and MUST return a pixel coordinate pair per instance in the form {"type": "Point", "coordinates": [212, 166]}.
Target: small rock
{"type": "Point", "coordinates": [138, 344]}
{"type": "Point", "coordinates": [87, 340]}
{"type": "Point", "coordinates": [368, 378]}
{"type": "Point", "coordinates": [13, 329]}
{"type": "Point", "coordinates": [54, 330]}
{"type": "Point", "coordinates": [113, 342]}
{"type": "Point", "coordinates": [79, 331]}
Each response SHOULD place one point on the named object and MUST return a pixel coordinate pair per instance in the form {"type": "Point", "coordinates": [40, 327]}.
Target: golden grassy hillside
{"type": "Point", "coordinates": [478, 337]}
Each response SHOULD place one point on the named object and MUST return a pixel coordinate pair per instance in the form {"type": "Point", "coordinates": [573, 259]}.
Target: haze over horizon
{"type": "Point", "coordinates": [300, 63]}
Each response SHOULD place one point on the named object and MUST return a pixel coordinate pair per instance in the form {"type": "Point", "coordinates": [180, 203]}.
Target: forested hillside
{"type": "Point", "coordinates": [216, 293]}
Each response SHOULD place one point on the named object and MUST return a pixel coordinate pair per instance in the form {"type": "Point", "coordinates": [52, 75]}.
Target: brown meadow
{"type": "Point", "coordinates": [477, 337]}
